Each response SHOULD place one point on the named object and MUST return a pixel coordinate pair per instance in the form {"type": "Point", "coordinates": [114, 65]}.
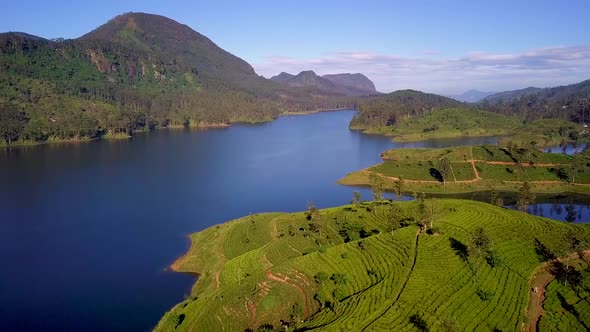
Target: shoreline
{"type": "Point", "coordinates": [316, 111]}
{"type": "Point", "coordinates": [503, 137]}
{"type": "Point", "coordinates": [20, 144]}
{"type": "Point", "coordinates": [175, 266]}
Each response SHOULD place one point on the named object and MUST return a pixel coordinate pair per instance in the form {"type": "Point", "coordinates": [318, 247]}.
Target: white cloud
{"type": "Point", "coordinates": [478, 70]}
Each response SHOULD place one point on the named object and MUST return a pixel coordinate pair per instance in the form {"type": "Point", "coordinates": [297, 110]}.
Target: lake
{"type": "Point", "coordinates": [87, 230]}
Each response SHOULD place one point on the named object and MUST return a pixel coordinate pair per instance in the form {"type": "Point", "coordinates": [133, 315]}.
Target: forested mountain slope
{"type": "Point", "coordinates": [569, 102]}
{"type": "Point", "coordinates": [136, 72]}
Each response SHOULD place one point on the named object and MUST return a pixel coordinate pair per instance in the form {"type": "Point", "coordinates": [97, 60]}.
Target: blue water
{"type": "Point", "coordinates": [87, 230]}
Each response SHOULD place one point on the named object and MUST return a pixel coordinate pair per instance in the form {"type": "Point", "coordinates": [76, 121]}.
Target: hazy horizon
{"type": "Point", "coordinates": [441, 48]}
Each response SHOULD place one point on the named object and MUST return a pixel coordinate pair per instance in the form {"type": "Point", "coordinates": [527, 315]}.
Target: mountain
{"type": "Point", "coordinates": [283, 77]}
{"type": "Point", "coordinates": [511, 95]}
{"type": "Point", "coordinates": [158, 34]}
{"type": "Point", "coordinates": [356, 81]}
{"type": "Point", "coordinates": [569, 102]}
{"type": "Point", "coordinates": [378, 113]}
{"type": "Point", "coordinates": [344, 84]}
{"type": "Point", "coordinates": [136, 72]}
{"type": "Point", "coordinates": [471, 96]}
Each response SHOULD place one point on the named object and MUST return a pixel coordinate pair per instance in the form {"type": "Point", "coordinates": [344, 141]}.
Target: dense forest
{"type": "Point", "coordinates": [570, 103]}
{"type": "Point", "coordinates": [137, 72]}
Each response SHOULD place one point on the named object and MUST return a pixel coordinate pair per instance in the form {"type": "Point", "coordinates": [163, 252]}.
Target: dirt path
{"type": "Point", "coordinates": [540, 278]}
{"type": "Point", "coordinates": [217, 282]}
{"type": "Point", "coordinates": [477, 177]}
{"type": "Point", "coordinates": [251, 307]}
{"type": "Point", "coordinates": [268, 265]}
{"type": "Point", "coordinates": [300, 290]}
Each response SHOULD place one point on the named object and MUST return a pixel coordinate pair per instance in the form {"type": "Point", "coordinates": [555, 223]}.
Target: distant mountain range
{"type": "Point", "coordinates": [346, 84]}
{"type": "Point", "coordinates": [471, 96]}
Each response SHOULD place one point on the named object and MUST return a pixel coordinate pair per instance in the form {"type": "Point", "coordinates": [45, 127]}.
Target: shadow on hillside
{"type": "Point", "coordinates": [436, 174]}
{"type": "Point", "coordinates": [460, 249]}
{"type": "Point", "coordinates": [543, 253]}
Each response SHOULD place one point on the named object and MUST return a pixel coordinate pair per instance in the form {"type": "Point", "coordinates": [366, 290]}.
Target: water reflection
{"type": "Point", "coordinates": [569, 148]}
{"type": "Point", "coordinates": [562, 207]}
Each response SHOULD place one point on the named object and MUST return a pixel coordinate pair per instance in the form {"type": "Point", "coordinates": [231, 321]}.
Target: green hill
{"type": "Point", "coordinates": [446, 123]}
{"type": "Point", "coordinates": [368, 267]}
{"type": "Point", "coordinates": [378, 113]}
{"type": "Point", "coordinates": [478, 168]}
{"type": "Point", "coordinates": [462, 122]}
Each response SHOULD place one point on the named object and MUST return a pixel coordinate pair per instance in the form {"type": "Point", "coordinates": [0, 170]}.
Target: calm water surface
{"type": "Point", "coordinates": [87, 230]}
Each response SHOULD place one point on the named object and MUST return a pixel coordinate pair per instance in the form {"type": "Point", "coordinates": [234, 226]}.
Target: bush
{"type": "Point", "coordinates": [308, 251]}
{"type": "Point", "coordinates": [338, 278]}
{"type": "Point", "coordinates": [178, 320]}
{"type": "Point", "coordinates": [484, 295]}
{"type": "Point", "coordinates": [265, 328]}
{"type": "Point", "coordinates": [493, 259]}
{"type": "Point", "coordinates": [419, 322]}
{"type": "Point", "coordinates": [338, 294]}
{"type": "Point", "coordinates": [320, 277]}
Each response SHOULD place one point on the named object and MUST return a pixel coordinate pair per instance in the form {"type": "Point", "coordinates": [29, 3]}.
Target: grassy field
{"type": "Point", "coordinates": [478, 168]}
{"type": "Point", "coordinates": [366, 267]}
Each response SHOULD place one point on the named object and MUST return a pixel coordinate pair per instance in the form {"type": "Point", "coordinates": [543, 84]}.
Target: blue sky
{"type": "Point", "coordinates": [436, 46]}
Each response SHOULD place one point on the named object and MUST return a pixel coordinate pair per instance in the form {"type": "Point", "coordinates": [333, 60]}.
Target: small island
{"type": "Point", "coordinates": [477, 168]}
{"type": "Point", "coordinates": [382, 265]}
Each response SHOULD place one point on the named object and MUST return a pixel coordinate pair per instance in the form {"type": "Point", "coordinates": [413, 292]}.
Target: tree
{"type": "Point", "coordinates": [525, 197]}
{"type": "Point", "coordinates": [312, 209]}
{"type": "Point", "coordinates": [444, 167]}
{"type": "Point", "coordinates": [313, 214]}
{"type": "Point", "coordinates": [12, 123]}
{"type": "Point", "coordinates": [356, 198]}
{"type": "Point", "coordinates": [576, 166]}
{"type": "Point", "coordinates": [377, 186]}
{"type": "Point", "coordinates": [480, 241]}
{"type": "Point", "coordinates": [427, 212]}
{"type": "Point", "coordinates": [532, 147]}
{"type": "Point", "coordinates": [572, 245]}
{"type": "Point", "coordinates": [493, 196]}
{"type": "Point", "coordinates": [393, 217]}
{"type": "Point", "coordinates": [398, 188]}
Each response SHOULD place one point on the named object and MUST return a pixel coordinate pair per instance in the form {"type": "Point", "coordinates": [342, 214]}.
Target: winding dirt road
{"type": "Point", "coordinates": [540, 278]}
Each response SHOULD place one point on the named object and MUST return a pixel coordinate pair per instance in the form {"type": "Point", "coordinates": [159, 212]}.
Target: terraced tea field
{"type": "Point", "coordinates": [478, 168]}
{"type": "Point", "coordinates": [371, 266]}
